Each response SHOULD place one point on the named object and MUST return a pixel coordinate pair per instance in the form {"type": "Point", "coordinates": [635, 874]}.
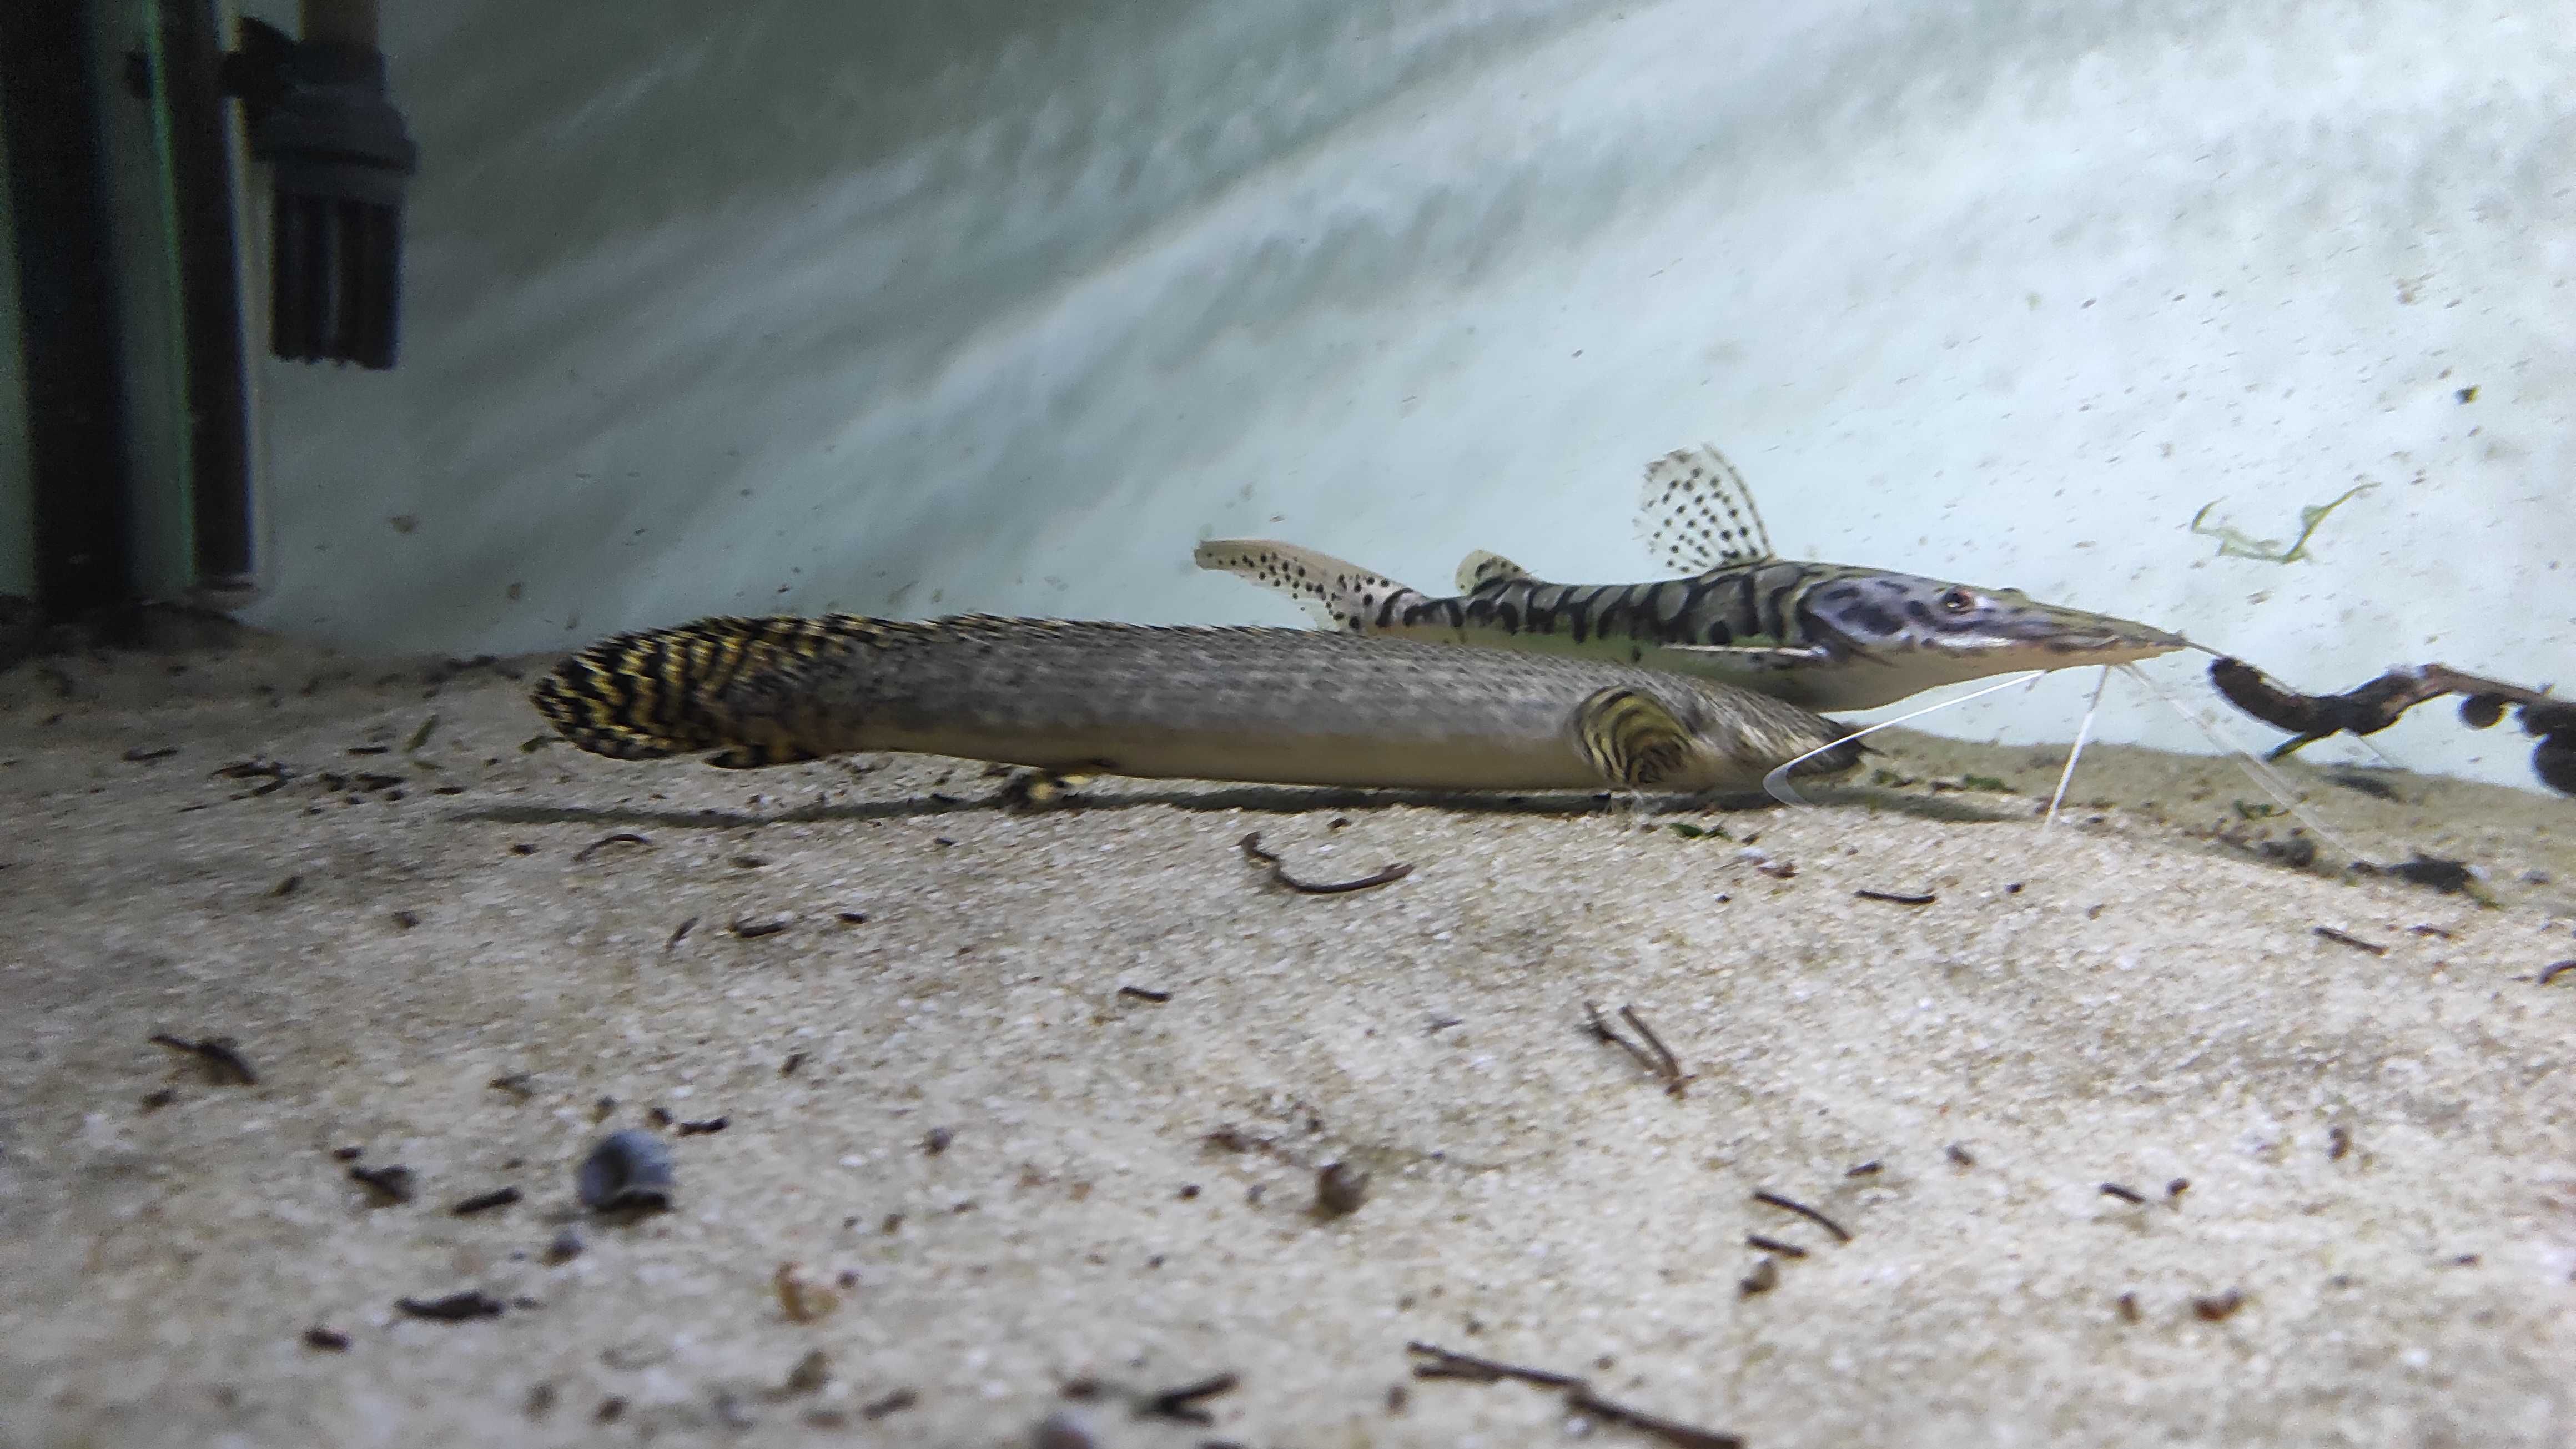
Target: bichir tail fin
{"type": "Point", "coordinates": [652, 695]}
{"type": "Point", "coordinates": [1335, 594]}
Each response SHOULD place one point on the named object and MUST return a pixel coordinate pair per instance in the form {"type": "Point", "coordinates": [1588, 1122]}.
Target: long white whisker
{"type": "Point", "coordinates": [2264, 772]}
{"type": "Point", "coordinates": [1776, 784]}
{"type": "Point", "coordinates": [2083, 732]}
{"type": "Point", "coordinates": [2271, 780]}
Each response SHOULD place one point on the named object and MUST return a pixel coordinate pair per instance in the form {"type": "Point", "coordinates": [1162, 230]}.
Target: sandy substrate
{"type": "Point", "coordinates": [1041, 1098]}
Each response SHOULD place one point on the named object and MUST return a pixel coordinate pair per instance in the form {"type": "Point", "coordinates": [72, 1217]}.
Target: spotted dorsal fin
{"type": "Point", "coordinates": [1695, 514]}
{"type": "Point", "coordinates": [1481, 568]}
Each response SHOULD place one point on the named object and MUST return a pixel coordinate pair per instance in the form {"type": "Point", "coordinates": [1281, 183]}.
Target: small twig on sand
{"type": "Point", "coordinates": [1444, 1363]}
{"type": "Point", "coordinates": [221, 1055]}
{"type": "Point", "coordinates": [1654, 1056]}
{"type": "Point", "coordinates": [1252, 851]}
{"type": "Point", "coordinates": [2329, 933]}
{"type": "Point", "coordinates": [1768, 1198]}
{"type": "Point", "coordinates": [1183, 1403]}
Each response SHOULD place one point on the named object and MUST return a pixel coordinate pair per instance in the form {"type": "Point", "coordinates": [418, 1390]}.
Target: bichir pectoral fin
{"type": "Point", "coordinates": [1632, 738]}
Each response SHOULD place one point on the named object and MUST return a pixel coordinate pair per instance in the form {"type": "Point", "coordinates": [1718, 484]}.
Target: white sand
{"type": "Point", "coordinates": [2146, 1006]}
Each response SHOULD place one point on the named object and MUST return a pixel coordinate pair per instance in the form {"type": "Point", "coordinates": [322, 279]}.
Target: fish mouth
{"type": "Point", "coordinates": [2112, 648]}
{"type": "Point", "coordinates": [2048, 647]}
{"type": "Point", "coordinates": [2083, 639]}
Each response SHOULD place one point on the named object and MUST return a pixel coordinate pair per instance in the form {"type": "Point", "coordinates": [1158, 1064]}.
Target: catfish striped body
{"type": "Point", "coordinates": [1758, 606]}
{"type": "Point", "coordinates": [1820, 635]}
{"type": "Point", "coordinates": [1786, 628]}
{"type": "Point", "coordinates": [1752, 605]}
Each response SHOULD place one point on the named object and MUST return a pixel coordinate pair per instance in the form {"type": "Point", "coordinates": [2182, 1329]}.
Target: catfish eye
{"type": "Point", "coordinates": [1957, 601]}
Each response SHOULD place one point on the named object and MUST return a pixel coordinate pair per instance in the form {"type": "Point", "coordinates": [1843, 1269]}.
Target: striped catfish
{"type": "Point", "coordinates": [1819, 635]}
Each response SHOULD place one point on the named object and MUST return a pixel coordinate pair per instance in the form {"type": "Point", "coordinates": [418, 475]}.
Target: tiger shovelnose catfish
{"type": "Point", "coordinates": [1823, 636]}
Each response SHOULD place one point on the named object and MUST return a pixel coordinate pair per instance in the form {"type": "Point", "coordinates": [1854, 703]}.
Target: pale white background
{"type": "Point", "coordinates": [915, 308]}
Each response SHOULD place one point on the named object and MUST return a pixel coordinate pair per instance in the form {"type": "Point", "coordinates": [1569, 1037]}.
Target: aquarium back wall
{"type": "Point", "coordinates": [912, 309]}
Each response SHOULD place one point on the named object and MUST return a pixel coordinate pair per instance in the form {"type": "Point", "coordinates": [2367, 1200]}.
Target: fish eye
{"type": "Point", "coordinates": [1958, 601]}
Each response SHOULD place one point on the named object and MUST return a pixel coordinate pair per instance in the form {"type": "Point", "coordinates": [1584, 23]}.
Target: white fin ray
{"type": "Point", "coordinates": [1335, 594]}
{"type": "Point", "coordinates": [1481, 568]}
{"type": "Point", "coordinates": [2262, 772]}
{"type": "Point", "coordinates": [2075, 752]}
{"type": "Point", "coordinates": [1695, 513]}
{"type": "Point", "coordinates": [1776, 783]}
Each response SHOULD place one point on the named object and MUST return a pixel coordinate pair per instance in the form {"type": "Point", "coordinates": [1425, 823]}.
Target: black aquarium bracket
{"type": "Point", "coordinates": [340, 161]}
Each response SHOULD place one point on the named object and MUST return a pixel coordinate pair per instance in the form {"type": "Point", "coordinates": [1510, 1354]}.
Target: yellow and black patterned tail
{"type": "Point", "coordinates": [660, 693]}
